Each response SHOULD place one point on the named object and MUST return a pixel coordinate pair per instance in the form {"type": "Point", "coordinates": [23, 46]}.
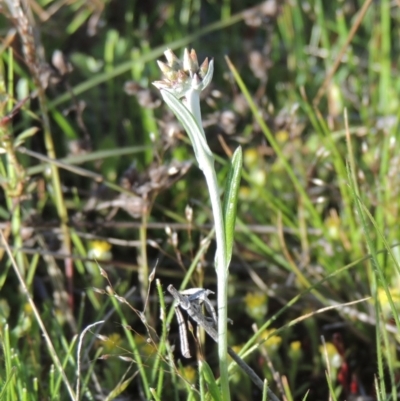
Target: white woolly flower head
{"type": "Point", "coordinates": [183, 76]}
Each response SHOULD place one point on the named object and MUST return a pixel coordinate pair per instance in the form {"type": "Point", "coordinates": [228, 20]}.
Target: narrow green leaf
{"type": "Point", "coordinates": [119, 389]}
{"type": "Point", "coordinates": [8, 383]}
{"type": "Point", "coordinates": [230, 199]}
{"type": "Point", "coordinates": [200, 146]}
{"type": "Point", "coordinates": [209, 378]}
{"type": "Point", "coordinates": [314, 214]}
{"type": "Point", "coordinates": [154, 394]}
{"type": "Point", "coordinates": [25, 135]}
{"type": "Point", "coordinates": [10, 370]}
{"type": "Point", "coordinates": [265, 391]}
{"type": "Point", "coordinates": [332, 393]}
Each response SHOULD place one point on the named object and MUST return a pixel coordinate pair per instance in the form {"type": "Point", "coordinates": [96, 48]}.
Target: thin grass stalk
{"type": "Point", "coordinates": [173, 373]}
{"type": "Point", "coordinates": [376, 388]}
{"type": "Point", "coordinates": [288, 393]}
{"type": "Point", "coordinates": [385, 98]}
{"type": "Point", "coordinates": [379, 353]}
{"type": "Point", "coordinates": [163, 339]}
{"type": "Point", "coordinates": [376, 276]}
{"type": "Point", "coordinates": [90, 375]}
{"type": "Point", "coordinates": [340, 167]}
{"type": "Point", "coordinates": [323, 30]}
{"type": "Point", "coordinates": [389, 351]}
{"type": "Point", "coordinates": [143, 273]}
{"type": "Point", "coordinates": [51, 379]}
{"type": "Point", "coordinates": [88, 157]}
{"type": "Point", "coordinates": [78, 356]}
{"type": "Point", "coordinates": [68, 360]}
{"type": "Point", "coordinates": [9, 385]}
{"type": "Point", "coordinates": [58, 194]}
{"type": "Point", "coordinates": [39, 320]}
{"type": "Point", "coordinates": [384, 194]}
{"type": "Point", "coordinates": [66, 164]}
{"type": "Point", "coordinates": [154, 394]}
{"type": "Point", "coordinates": [364, 213]}
{"type": "Point", "coordinates": [15, 172]}
{"type": "Point", "coordinates": [332, 395]}
{"type": "Point", "coordinates": [25, 30]}
{"type": "Point", "coordinates": [356, 24]}
{"type": "Point", "coordinates": [132, 343]}
{"type": "Point", "coordinates": [385, 87]}
{"type": "Point", "coordinates": [201, 384]}
{"type": "Point", "coordinates": [316, 218]}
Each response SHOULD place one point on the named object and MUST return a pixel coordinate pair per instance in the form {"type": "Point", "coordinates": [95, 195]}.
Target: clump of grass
{"type": "Point", "coordinates": [317, 220]}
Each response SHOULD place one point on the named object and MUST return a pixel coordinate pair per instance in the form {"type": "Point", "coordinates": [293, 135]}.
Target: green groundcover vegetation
{"type": "Point", "coordinates": [104, 203]}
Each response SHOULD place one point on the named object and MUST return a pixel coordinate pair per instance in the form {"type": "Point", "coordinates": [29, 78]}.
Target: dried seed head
{"type": "Point", "coordinates": [60, 62]}
{"type": "Point", "coordinates": [152, 275]}
{"type": "Point", "coordinates": [174, 239]}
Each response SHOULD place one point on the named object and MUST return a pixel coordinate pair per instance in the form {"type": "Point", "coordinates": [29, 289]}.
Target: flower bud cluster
{"type": "Point", "coordinates": [183, 76]}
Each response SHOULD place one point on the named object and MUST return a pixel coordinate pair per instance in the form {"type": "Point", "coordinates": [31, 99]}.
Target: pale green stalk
{"type": "Point", "coordinates": [221, 265]}
{"type": "Point", "coordinates": [187, 80]}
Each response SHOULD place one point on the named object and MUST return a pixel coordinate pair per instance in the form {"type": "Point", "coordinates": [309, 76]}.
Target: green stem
{"type": "Point", "coordinates": [58, 193]}
{"type": "Point", "coordinates": [143, 271]}
{"type": "Point", "coordinates": [207, 165]}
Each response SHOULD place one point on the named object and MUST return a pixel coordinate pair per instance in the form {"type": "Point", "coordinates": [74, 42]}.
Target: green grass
{"type": "Point", "coordinates": [313, 89]}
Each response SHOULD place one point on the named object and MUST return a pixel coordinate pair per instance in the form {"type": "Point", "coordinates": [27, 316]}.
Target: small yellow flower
{"type": "Point", "coordinates": [295, 349]}
{"type": "Point", "coordinates": [251, 157]}
{"type": "Point", "coordinates": [145, 348]}
{"type": "Point", "coordinates": [332, 222]}
{"type": "Point", "coordinates": [295, 346]}
{"type": "Point", "coordinates": [189, 373]}
{"type": "Point", "coordinates": [334, 358]}
{"type": "Point", "coordinates": [236, 349]}
{"type": "Point", "coordinates": [384, 301]}
{"type": "Point", "coordinates": [282, 136]}
{"type": "Point", "coordinates": [244, 193]}
{"type": "Point", "coordinates": [99, 250]}
{"type": "Point", "coordinates": [255, 165]}
{"type": "Point", "coordinates": [27, 308]}
{"type": "Point", "coordinates": [60, 316]}
{"type": "Point", "coordinates": [112, 343]}
{"type": "Point", "coordinates": [256, 304]}
{"type": "Point", "coordinates": [259, 176]}
{"type": "Point", "coordinates": [271, 341]}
